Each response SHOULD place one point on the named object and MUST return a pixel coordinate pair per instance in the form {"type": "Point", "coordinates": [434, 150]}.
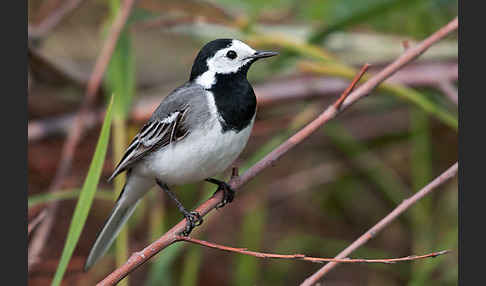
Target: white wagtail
{"type": "Point", "coordinates": [196, 132]}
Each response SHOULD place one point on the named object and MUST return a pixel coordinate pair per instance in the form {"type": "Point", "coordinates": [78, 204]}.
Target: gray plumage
{"type": "Point", "coordinates": [189, 102]}
{"type": "Point", "coordinates": [191, 94]}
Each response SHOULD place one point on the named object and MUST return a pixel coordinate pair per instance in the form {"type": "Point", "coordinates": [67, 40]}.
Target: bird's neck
{"type": "Point", "coordinates": [234, 99]}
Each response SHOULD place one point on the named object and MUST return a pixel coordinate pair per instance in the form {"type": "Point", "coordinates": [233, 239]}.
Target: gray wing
{"type": "Point", "coordinates": [172, 121]}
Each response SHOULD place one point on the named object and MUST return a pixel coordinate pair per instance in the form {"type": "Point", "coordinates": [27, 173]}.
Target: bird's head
{"type": "Point", "coordinates": [224, 56]}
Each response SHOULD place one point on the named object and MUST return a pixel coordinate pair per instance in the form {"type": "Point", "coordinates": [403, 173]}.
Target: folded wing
{"type": "Point", "coordinates": [155, 134]}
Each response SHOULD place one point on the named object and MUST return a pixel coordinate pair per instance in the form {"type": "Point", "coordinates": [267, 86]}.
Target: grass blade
{"type": "Point", "coordinates": [86, 197]}
{"type": "Point", "coordinates": [423, 233]}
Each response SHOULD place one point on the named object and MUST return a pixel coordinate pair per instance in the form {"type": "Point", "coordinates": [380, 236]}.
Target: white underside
{"type": "Point", "coordinates": [204, 153]}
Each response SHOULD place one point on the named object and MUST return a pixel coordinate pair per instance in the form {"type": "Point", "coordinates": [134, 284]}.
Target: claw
{"type": "Point", "coordinates": [193, 219]}
{"type": "Point", "coordinates": [228, 192]}
{"type": "Point", "coordinates": [228, 195]}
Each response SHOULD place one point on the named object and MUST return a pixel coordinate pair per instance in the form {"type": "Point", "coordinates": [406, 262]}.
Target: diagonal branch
{"type": "Point", "coordinates": [171, 236]}
{"type": "Point", "coordinates": [36, 221]}
{"type": "Point", "coordinates": [77, 130]}
{"type": "Point", "coordinates": [406, 204]}
{"type": "Point", "coordinates": [52, 20]}
{"type": "Point", "coordinates": [305, 257]}
{"type": "Point", "coordinates": [236, 182]}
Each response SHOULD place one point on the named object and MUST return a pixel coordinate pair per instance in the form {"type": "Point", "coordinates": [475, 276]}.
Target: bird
{"type": "Point", "coordinates": [195, 133]}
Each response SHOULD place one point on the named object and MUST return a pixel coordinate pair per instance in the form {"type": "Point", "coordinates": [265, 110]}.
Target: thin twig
{"type": "Point", "coordinates": [35, 222]}
{"type": "Point", "coordinates": [64, 72]}
{"type": "Point", "coordinates": [170, 236]}
{"type": "Point", "coordinates": [406, 204]}
{"type": "Point", "coordinates": [52, 20]}
{"type": "Point", "coordinates": [405, 44]}
{"type": "Point", "coordinates": [269, 160]}
{"type": "Point", "coordinates": [304, 257]}
{"type": "Point", "coordinates": [355, 81]}
{"type": "Point", "coordinates": [164, 22]}
{"type": "Point", "coordinates": [75, 133]}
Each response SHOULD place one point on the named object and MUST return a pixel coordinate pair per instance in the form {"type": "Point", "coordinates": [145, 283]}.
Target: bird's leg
{"type": "Point", "coordinates": [193, 218]}
{"type": "Point", "coordinates": [228, 192]}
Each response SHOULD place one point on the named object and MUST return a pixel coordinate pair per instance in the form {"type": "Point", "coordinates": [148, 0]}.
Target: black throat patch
{"type": "Point", "coordinates": [235, 100]}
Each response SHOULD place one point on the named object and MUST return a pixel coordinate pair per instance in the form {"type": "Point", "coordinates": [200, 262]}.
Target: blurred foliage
{"type": "Point", "coordinates": [409, 94]}
{"type": "Point", "coordinates": [385, 178]}
{"type": "Point", "coordinates": [35, 200]}
{"type": "Point", "coordinates": [192, 265]}
{"type": "Point", "coordinates": [120, 79]}
{"type": "Point", "coordinates": [407, 17]}
{"type": "Point", "coordinates": [247, 268]}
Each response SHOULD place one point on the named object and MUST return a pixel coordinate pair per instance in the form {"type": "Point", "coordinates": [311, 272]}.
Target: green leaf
{"type": "Point", "coordinates": [120, 74]}
{"type": "Point", "coordinates": [86, 197]}
{"type": "Point", "coordinates": [120, 80]}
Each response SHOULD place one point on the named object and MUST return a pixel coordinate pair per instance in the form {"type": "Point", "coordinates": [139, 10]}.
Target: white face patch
{"type": "Point", "coordinates": [222, 64]}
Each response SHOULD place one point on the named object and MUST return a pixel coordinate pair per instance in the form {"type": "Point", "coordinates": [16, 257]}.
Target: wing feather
{"type": "Point", "coordinates": [155, 134]}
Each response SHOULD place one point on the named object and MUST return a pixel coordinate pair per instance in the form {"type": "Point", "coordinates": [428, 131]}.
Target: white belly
{"type": "Point", "coordinates": [202, 154]}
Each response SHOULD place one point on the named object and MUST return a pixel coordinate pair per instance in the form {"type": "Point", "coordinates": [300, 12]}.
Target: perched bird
{"type": "Point", "coordinates": [195, 133]}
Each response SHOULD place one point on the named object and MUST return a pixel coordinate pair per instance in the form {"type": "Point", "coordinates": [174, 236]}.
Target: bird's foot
{"type": "Point", "coordinates": [228, 192]}
{"type": "Point", "coordinates": [193, 219]}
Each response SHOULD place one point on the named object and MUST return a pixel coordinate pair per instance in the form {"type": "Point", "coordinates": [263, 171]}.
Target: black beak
{"type": "Point", "coordinates": [262, 54]}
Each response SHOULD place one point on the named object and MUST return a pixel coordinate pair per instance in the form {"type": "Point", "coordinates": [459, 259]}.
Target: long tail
{"type": "Point", "coordinates": [124, 207]}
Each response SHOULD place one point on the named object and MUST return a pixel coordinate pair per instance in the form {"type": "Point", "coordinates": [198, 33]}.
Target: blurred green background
{"type": "Point", "coordinates": [319, 197]}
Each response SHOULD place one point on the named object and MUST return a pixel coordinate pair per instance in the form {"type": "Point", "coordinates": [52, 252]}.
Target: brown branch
{"type": "Point", "coordinates": [406, 204]}
{"type": "Point", "coordinates": [405, 44]}
{"type": "Point", "coordinates": [269, 160]}
{"type": "Point", "coordinates": [52, 20]}
{"type": "Point", "coordinates": [305, 257]}
{"type": "Point", "coordinates": [55, 70]}
{"type": "Point", "coordinates": [76, 131]}
{"type": "Point", "coordinates": [290, 88]}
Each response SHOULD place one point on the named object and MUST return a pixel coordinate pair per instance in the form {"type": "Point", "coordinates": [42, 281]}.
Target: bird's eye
{"type": "Point", "coordinates": [231, 54]}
